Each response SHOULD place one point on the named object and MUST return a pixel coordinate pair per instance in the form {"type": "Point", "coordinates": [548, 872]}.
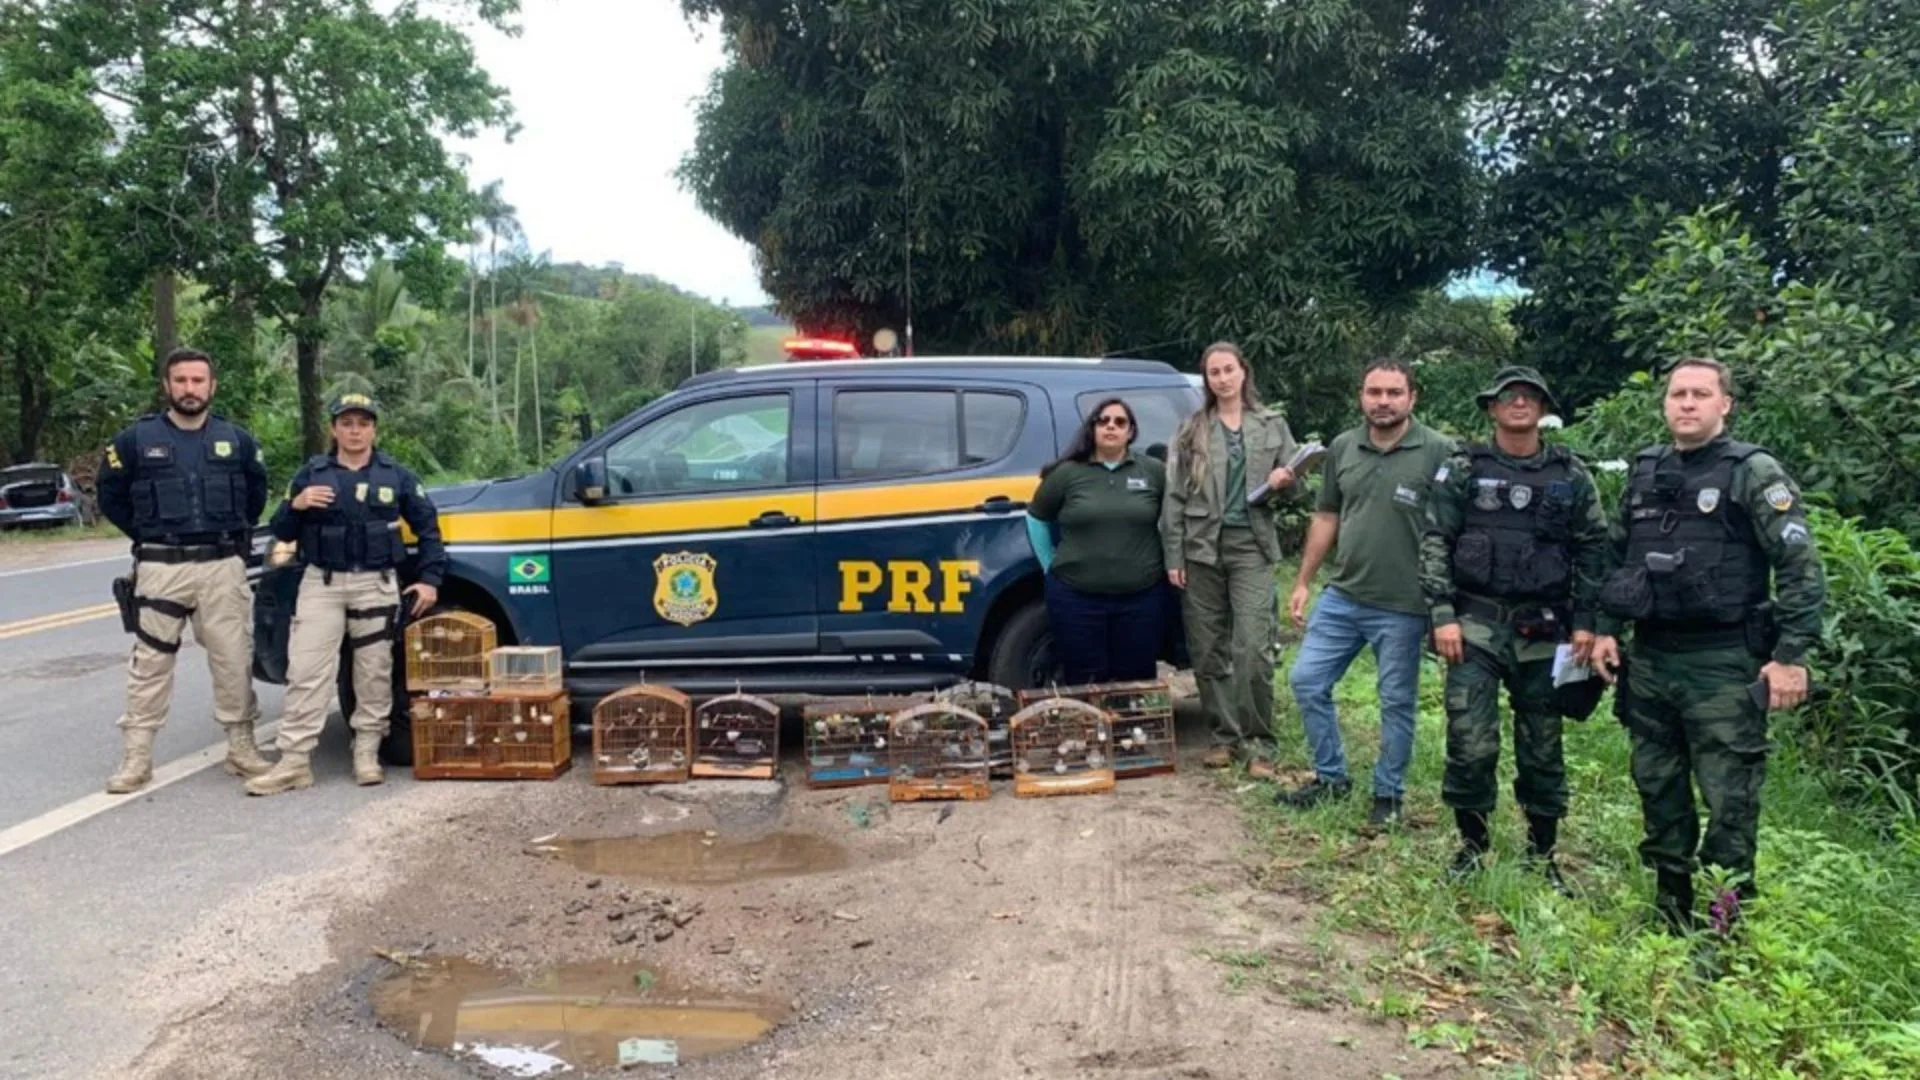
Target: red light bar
{"type": "Point", "coordinates": [819, 349]}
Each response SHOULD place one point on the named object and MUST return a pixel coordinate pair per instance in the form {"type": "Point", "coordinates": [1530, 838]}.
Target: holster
{"type": "Point", "coordinates": [1622, 700]}
{"type": "Point", "coordinates": [124, 600]}
{"type": "Point", "coordinates": [1762, 632]}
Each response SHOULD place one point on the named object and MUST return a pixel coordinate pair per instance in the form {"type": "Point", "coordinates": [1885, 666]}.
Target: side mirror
{"type": "Point", "coordinates": [1157, 451]}
{"type": "Point", "coordinates": [590, 480]}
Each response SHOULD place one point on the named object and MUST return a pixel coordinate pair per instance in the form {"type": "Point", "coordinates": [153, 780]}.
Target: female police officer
{"type": "Point", "coordinates": [1221, 552]}
{"type": "Point", "coordinates": [344, 509]}
{"type": "Point", "coordinates": [1106, 602]}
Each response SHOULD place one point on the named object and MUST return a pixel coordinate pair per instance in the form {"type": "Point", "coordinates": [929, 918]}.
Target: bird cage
{"type": "Point", "coordinates": [1142, 716]}
{"type": "Point", "coordinates": [996, 705]}
{"type": "Point", "coordinates": [736, 737]}
{"type": "Point", "coordinates": [468, 737]}
{"type": "Point", "coordinates": [643, 734]}
{"type": "Point", "coordinates": [529, 671]}
{"type": "Point", "coordinates": [845, 740]}
{"type": "Point", "coordinates": [937, 751]}
{"type": "Point", "coordinates": [449, 651]}
{"type": "Point", "coordinates": [1061, 747]}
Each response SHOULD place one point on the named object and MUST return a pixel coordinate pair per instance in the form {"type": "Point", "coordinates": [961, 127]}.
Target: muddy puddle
{"type": "Point", "coordinates": [568, 1020]}
{"type": "Point", "coordinates": [695, 857]}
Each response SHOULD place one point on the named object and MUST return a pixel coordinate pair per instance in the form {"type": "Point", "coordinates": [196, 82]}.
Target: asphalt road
{"type": "Point", "coordinates": [87, 901]}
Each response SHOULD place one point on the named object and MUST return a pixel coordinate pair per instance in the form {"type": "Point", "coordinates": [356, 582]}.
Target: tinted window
{"type": "Point", "coordinates": [727, 443]}
{"type": "Point", "coordinates": [895, 432]}
{"type": "Point", "coordinates": [1159, 409]}
{"type": "Point", "coordinates": [993, 423]}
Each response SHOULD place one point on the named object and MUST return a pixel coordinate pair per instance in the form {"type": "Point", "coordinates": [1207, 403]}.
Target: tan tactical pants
{"type": "Point", "coordinates": [219, 606]}
{"type": "Point", "coordinates": [354, 606]}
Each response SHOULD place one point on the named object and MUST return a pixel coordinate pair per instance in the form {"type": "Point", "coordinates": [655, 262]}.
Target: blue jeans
{"type": "Point", "coordinates": [1107, 637]}
{"type": "Point", "coordinates": [1336, 632]}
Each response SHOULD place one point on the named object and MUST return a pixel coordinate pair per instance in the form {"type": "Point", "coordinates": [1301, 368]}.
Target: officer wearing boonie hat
{"type": "Point", "coordinates": [344, 507]}
{"type": "Point", "coordinates": [1511, 563]}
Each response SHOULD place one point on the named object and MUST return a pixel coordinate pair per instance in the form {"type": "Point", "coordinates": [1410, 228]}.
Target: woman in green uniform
{"type": "Point", "coordinates": [1106, 597]}
{"type": "Point", "coordinates": [1221, 550]}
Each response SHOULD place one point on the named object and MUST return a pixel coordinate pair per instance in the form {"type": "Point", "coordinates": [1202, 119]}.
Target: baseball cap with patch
{"type": "Point", "coordinates": [347, 403]}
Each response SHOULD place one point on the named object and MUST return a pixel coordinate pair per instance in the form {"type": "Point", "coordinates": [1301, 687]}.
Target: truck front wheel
{"type": "Point", "coordinates": [1023, 655]}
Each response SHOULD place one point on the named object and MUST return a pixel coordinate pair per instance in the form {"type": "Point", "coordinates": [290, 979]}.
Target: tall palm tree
{"type": "Point", "coordinates": [499, 218]}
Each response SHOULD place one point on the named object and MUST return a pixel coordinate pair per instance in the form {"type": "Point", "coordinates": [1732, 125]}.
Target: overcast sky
{"type": "Point", "coordinates": [604, 93]}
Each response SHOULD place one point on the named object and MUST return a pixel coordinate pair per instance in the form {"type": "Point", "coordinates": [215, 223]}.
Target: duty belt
{"type": "Point", "coordinates": [184, 553]}
{"type": "Point", "coordinates": [1495, 610]}
{"type": "Point", "coordinates": [1689, 639]}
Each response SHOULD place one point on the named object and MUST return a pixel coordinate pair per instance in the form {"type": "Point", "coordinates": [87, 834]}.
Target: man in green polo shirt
{"type": "Point", "coordinates": [1372, 508]}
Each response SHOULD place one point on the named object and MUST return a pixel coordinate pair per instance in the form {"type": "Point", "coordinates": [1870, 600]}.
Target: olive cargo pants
{"type": "Point", "coordinates": [354, 605]}
{"type": "Point", "coordinates": [1691, 721]}
{"type": "Point", "coordinates": [213, 597]}
{"type": "Point", "coordinates": [1228, 608]}
{"type": "Point", "coordinates": [1496, 657]}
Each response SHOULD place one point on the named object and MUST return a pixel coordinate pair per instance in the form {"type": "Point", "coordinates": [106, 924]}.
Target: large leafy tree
{"type": "Point", "coordinates": [1077, 176]}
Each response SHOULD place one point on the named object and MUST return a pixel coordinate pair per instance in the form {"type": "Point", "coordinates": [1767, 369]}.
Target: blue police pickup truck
{"type": "Point", "coordinates": [822, 527]}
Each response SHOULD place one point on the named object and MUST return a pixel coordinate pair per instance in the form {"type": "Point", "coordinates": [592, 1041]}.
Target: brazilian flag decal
{"type": "Point", "coordinates": [528, 570]}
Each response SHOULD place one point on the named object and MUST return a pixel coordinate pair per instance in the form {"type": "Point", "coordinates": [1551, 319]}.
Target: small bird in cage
{"type": "Point", "coordinates": [678, 759]}
{"type": "Point", "coordinates": [733, 736]}
{"type": "Point", "coordinates": [879, 742]}
{"type": "Point", "coordinates": [640, 757]}
{"type": "Point", "coordinates": [1060, 767]}
{"type": "Point", "coordinates": [749, 747]}
{"type": "Point", "coordinates": [1095, 759]}
{"type": "Point", "coordinates": [520, 736]}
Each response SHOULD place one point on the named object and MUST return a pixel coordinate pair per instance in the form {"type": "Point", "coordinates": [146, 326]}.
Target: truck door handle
{"type": "Point", "coordinates": [999, 504]}
{"type": "Point", "coordinates": [773, 519]}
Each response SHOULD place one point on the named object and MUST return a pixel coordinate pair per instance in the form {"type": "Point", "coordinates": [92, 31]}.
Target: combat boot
{"type": "Point", "coordinates": [243, 754]}
{"type": "Point", "coordinates": [1673, 900]}
{"type": "Point", "coordinates": [291, 773]}
{"type": "Point", "coordinates": [366, 760]}
{"type": "Point", "coordinates": [136, 762]}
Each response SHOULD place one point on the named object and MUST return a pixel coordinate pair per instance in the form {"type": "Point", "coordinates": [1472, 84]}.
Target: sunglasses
{"type": "Point", "coordinates": [1111, 421]}
{"type": "Point", "coordinates": [1509, 396]}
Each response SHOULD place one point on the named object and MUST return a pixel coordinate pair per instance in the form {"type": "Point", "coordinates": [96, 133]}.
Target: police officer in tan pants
{"type": "Point", "coordinates": [187, 486]}
{"type": "Point", "coordinates": [345, 509]}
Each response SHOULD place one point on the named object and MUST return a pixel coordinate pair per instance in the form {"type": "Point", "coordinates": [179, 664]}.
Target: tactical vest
{"type": "Point", "coordinates": [1516, 538]}
{"type": "Point", "coordinates": [188, 484]}
{"type": "Point", "coordinates": [359, 531]}
{"type": "Point", "coordinates": [1692, 560]}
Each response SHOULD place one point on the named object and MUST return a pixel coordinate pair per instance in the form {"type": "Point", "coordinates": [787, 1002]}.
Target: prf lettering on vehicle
{"type": "Point", "coordinates": [909, 585]}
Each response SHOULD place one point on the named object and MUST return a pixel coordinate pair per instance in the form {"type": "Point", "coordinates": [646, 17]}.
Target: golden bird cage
{"type": "Point", "coordinates": [1142, 716]}
{"type": "Point", "coordinates": [468, 737]}
{"type": "Point", "coordinates": [937, 751]}
{"type": "Point", "coordinates": [736, 736]}
{"type": "Point", "coordinates": [1061, 747]}
{"type": "Point", "coordinates": [996, 705]}
{"type": "Point", "coordinates": [529, 671]}
{"type": "Point", "coordinates": [643, 734]}
{"type": "Point", "coordinates": [845, 739]}
{"type": "Point", "coordinates": [449, 651]}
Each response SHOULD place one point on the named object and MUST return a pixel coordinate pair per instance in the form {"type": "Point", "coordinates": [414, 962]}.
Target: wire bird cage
{"type": "Point", "coordinates": [937, 751]}
{"type": "Point", "coordinates": [529, 671]}
{"type": "Point", "coordinates": [449, 651]}
{"type": "Point", "coordinates": [845, 739]}
{"type": "Point", "coordinates": [468, 737]}
{"type": "Point", "coordinates": [996, 705]}
{"type": "Point", "coordinates": [643, 734]}
{"type": "Point", "coordinates": [1061, 747]}
{"type": "Point", "coordinates": [736, 736]}
{"type": "Point", "coordinates": [1142, 717]}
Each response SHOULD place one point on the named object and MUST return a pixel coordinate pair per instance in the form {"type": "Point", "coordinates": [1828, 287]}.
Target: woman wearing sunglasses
{"type": "Point", "coordinates": [1221, 552]}
{"type": "Point", "coordinates": [1106, 595]}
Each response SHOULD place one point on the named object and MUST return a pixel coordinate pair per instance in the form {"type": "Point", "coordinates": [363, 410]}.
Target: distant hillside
{"type": "Point", "coordinates": [759, 316]}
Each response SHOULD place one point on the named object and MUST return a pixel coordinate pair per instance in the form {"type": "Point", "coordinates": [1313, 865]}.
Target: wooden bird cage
{"type": "Point", "coordinates": [996, 705]}
{"type": "Point", "coordinates": [468, 737]}
{"type": "Point", "coordinates": [529, 671]}
{"type": "Point", "coordinates": [643, 734]}
{"type": "Point", "coordinates": [1061, 747]}
{"type": "Point", "coordinates": [845, 739]}
{"type": "Point", "coordinates": [736, 737]}
{"type": "Point", "coordinates": [937, 751]}
{"type": "Point", "coordinates": [1142, 717]}
{"type": "Point", "coordinates": [449, 651]}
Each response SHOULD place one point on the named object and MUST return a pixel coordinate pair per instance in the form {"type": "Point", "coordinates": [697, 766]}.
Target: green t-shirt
{"type": "Point", "coordinates": [1235, 512]}
{"type": "Point", "coordinates": [1381, 497]}
{"type": "Point", "coordinates": [1109, 523]}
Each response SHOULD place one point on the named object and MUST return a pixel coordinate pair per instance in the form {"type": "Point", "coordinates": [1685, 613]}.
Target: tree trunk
{"type": "Point", "coordinates": [306, 340]}
{"type": "Point", "coordinates": [473, 292]}
{"type": "Point", "coordinates": [493, 327]}
{"type": "Point", "coordinates": [166, 335]}
{"type": "Point", "coordinates": [29, 386]}
{"type": "Point", "coordinates": [516, 394]}
{"type": "Point", "coordinates": [539, 432]}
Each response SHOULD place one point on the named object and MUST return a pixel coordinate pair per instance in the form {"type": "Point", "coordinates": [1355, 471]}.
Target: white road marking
{"type": "Point", "coordinates": [65, 565]}
{"type": "Point", "coordinates": [87, 806]}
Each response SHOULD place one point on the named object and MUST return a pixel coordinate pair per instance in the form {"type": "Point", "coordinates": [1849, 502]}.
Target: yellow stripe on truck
{"type": "Point", "coordinates": [942, 497]}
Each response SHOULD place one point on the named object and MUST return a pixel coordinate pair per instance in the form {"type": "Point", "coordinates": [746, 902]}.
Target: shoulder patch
{"type": "Point", "coordinates": [1779, 496]}
{"type": "Point", "coordinates": [1440, 476]}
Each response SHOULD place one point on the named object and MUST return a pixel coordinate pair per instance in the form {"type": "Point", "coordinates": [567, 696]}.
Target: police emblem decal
{"type": "Point", "coordinates": [386, 495]}
{"type": "Point", "coordinates": [222, 448]}
{"type": "Point", "coordinates": [1486, 494]}
{"type": "Point", "coordinates": [683, 587]}
{"type": "Point", "coordinates": [1780, 497]}
{"type": "Point", "coordinates": [1521, 495]}
{"type": "Point", "coordinates": [1709, 499]}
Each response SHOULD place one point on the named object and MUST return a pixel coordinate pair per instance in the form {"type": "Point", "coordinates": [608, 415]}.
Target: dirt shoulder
{"type": "Point", "coordinates": [29, 550]}
{"type": "Point", "coordinates": [1068, 937]}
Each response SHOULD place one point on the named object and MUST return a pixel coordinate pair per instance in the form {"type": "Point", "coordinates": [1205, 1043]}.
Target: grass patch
{"type": "Point", "coordinates": [1823, 980]}
{"type": "Point", "coordinates": [64, 534]}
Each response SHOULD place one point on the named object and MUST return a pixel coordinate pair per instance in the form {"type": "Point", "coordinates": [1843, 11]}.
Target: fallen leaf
{"type": "Point", "coordinates": [846, 916]}
{"type": "Point", "coordinates": [543, 839]}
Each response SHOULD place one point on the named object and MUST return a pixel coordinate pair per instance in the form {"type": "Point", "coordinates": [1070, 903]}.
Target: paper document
{"type": "Point", "coordinates": [1303, 459]}
{"type": "Point", "coordinates": [1565, 670]}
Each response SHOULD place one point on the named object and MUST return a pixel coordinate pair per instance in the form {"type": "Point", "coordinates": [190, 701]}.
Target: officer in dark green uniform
{"type": "Point", "coordinates": [1714, 646]}
{"type": "Point", "coordinates": [1511, 564]}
